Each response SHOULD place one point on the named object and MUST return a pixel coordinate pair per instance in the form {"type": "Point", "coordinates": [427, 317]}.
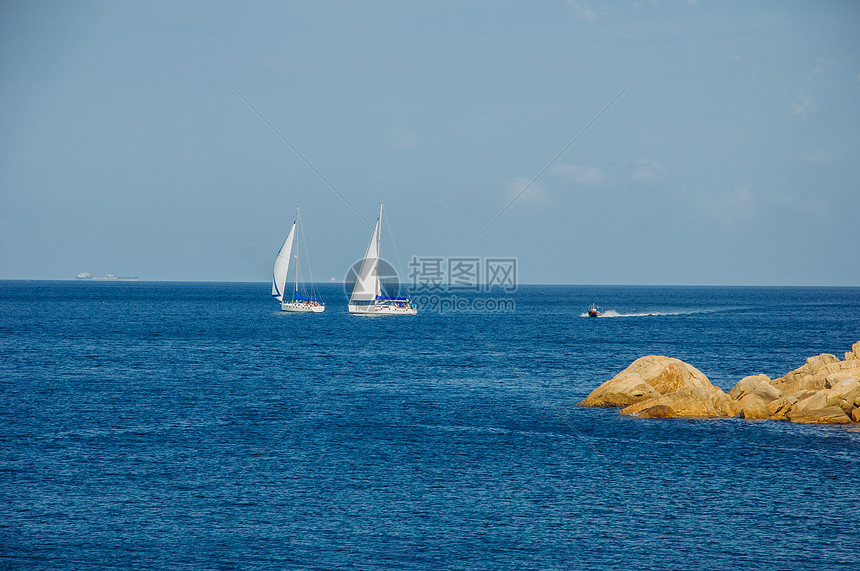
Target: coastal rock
{"type": "Point", "coordinates": [854, 354]}
{"type": "Point", "coordinates": [624, 389]}
{"type": "Point", "coordinates": [755, 384]}
{"type": "Point", "coordinates": [645, 378]}
{"type": "Point", "coordinates": [844, 374]}
{"type": "Point", "coordinates": [819, 361]}
{"type": "Point", "coordinates": [689, 402]}
{"type": "Point", "coordinates": [823, 390]}
{"type": "Point", "coordinates": [826, 415]}
{"type": "Point", "coordinates": [823, 383]}
{"type": "Point", "coordinates": [819, 372]}
{"type": "Point", "coordinates": [845, 393]}
{"type": "Point", "coordinates": [846, 387]}
{"type": "Point", "coordinates": [779, 408]}
{"type": "Point", "coordinates": [751, 407]}
{"type": "Point", "coordinates": [816, 400]}
{"type": "Point", "coordinates": [657, 411]}
{"type": "Point", "coordinates": [659, 381]}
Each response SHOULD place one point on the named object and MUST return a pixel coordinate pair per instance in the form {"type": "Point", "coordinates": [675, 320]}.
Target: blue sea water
{"type": "Point", "coordinates": [195, 426]}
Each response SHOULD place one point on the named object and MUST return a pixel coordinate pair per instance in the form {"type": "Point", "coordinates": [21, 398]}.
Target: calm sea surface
{"type": "Point", "coordinates": [182, 425]}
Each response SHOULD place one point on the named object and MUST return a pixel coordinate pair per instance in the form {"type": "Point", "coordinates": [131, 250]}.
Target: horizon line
{"type": "Point", "coordinates": [460, 287]}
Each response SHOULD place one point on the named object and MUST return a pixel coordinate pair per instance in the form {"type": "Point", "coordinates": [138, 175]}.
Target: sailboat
{"type": "Point", "coordinates": [367, 298]}
{"type": "Point", "coordinates": [299, 303]}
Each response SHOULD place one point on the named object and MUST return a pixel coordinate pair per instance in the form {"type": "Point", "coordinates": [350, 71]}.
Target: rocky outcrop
{"type": "Point", "coordinates": [823, 390]}
{"type": "Point", "coordinates": [661, 387]}
{"type": "Point", "coordinates": [826, 415]}
{"type": "Point", "coordinates": [751, 406]}
{"type": "Point", "coordinates": [758, 385]}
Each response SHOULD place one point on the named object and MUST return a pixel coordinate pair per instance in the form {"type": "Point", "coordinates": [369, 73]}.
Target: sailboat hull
{"type": "Point", "coordinates": [381, 309]}
{"type": "Point", "coordinates": [300, 307]}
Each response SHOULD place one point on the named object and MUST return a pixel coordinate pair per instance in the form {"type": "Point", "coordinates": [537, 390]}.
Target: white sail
{"type": "Point", "coordinates": [367, 286]}
{"type": "Point", "coordinates": [282, 265]}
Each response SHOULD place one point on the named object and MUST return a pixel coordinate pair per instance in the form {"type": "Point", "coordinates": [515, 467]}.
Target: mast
{"type": "Point", "coordinates": [297, 257]}
{"type": "Point", "coordinates": [379, 251]}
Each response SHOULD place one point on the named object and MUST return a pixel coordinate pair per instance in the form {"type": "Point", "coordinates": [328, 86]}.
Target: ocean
{"type": "Point", "coordinates": [196, 426]}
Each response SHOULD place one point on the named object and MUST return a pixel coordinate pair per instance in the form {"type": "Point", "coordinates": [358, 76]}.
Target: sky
{"type": "Point", "coordinates": [731, 156]}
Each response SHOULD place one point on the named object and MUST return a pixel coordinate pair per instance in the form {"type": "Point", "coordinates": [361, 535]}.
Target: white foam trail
{"type": "Point", "coordinates": [613, 313]}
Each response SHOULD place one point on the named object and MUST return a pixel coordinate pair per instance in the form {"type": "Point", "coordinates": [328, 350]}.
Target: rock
{"type": "Point", "coordinates": [779, 408]}
{"type": "Point", "coordinates": [818, 399]}
{"type": "Point", "coordinates": [844, 393]}
{"type": "Point", "coordinates": [645, 378]}
{"type": "Point", "coordinates": [826, 415]}
{"type": "Point", "coordinates": [755, 384]}
{"type": "Point", "coordinates": [798, 380]}
{"type": "Point", "coordinates": [799, 396]}
{"type": "Point", "coordinates": [845, 374]}
{"type": "Point", "coordinates": [841, 395]}
{"type": "Point", "coordinates": [656, 380]}
{"type": "Point", "coordinates": [824, 389]}
{"type": "Point", "coordinates": [689, 402]}
{"type": "Point", "coordinates": [845, 406]}
{"type": "Point", "coordinates": [854, 354]}
{"type": "Point", "coordinates": [751, 407]}
{"type": "Point", "coordinates": [819, 361]}
{"type": "Point", "coordinates": [819, 372]}
{"type": "Point", "coordinates": [620, 391]}
{"type": "Point", "coordinates": [845, 387]}
{"type": "Point", "coordinates": [657, 411]}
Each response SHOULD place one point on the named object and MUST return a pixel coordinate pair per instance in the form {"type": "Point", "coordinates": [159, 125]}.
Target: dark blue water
{"type": "Point", "coordinates": [150, 425]}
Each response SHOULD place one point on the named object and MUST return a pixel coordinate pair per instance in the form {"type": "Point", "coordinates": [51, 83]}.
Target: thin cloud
{"type": "Point", "coordinates": [582, 10]}
{"type": "Point", "coordinates": [646, 171]}
{"type": "Point", "coordinates": [803, 106]}
{"type": "Point", "coordinates": [579, 174]}
{"type": "Point", "coordinates": [536, 194]}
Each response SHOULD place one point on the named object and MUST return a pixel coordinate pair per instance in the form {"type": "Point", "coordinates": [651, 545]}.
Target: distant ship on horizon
{"type": "Point", "coordinates": [106, 277]}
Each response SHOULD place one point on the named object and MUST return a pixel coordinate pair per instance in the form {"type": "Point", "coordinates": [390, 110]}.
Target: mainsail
{"type": "Point", "coordinates": [367, 286]}
{"type": "Point", "coordinates": [282, 264]}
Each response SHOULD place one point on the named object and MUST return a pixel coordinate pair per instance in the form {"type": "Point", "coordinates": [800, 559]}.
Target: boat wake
{"type": "Point", "coordinates": [675, 312]}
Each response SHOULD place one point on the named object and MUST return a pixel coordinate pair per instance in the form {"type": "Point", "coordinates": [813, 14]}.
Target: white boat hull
{"type": "Point", "coordinates": [301, 307]}
{"type": "Point", "coordinates": [381, 309]}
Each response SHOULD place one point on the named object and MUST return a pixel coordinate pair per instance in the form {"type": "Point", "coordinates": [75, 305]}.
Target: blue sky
{"type": "Point", "coordinates": [734, 158]}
